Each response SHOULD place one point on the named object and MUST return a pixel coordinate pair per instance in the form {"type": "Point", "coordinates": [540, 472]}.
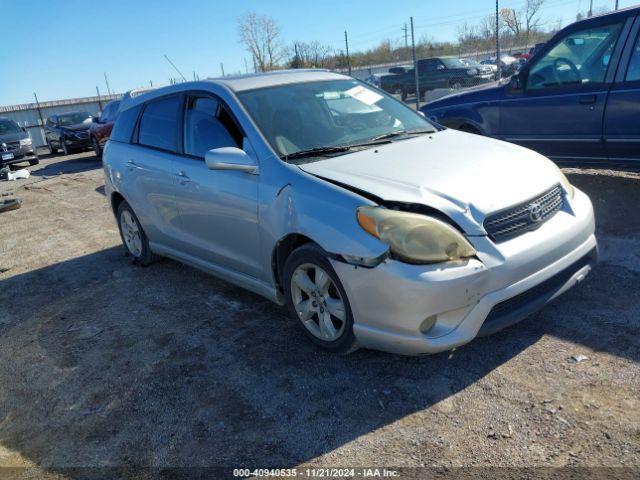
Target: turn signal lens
{"type": "Point", "coordinates": [413, 237]}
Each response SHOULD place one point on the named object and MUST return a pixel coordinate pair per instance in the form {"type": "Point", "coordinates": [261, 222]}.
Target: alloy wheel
{"type": "Point", "coordinates": [318, 302]}
{"type": "Point", "coordinates": [131, 233]}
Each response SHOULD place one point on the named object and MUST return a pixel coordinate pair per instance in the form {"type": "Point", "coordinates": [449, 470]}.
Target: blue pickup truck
{"type": "Point", "coordinates": [578, 98]}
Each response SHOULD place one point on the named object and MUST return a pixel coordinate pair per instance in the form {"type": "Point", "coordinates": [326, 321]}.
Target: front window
{"type": "Point", "coordinates": [73, 118]}
{"type": "Point", "coordinates": [453, 63]}
{"type": "Point", "coordinates": [335, 113]}
{"type": "Point", "coordinates": [8, 126]}
{"type": "Point", "coordinates": [582, 57]}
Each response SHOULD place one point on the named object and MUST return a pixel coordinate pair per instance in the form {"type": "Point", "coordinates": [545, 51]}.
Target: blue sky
{"type": "Point", "coordinates": [60, 48]}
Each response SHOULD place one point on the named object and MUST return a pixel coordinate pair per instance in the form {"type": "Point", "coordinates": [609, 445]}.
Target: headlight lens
{"type": "Point", "coordinates": [413, 237]}
{"type": "Point", "coordinates": [25, 142]}
{"type": "Point", "coordinates": [564, 181]}
{"type": "Point", "coordinates": [472, 71]}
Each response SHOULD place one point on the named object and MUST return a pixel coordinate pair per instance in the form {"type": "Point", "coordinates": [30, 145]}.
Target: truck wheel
{"type": "Point", "coordinates": [455, 85]}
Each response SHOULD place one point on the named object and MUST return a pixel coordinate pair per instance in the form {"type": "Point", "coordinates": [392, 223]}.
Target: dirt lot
{"type": "Point", "coordinates": [106, 364]}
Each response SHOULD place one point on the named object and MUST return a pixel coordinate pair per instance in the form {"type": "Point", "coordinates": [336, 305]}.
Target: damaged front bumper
{"type": "Point", "coordinates": [423, 309]}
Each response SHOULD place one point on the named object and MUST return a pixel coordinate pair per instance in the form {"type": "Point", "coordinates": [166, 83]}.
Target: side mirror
{"type": "Point", "coordinates": [230, 158]}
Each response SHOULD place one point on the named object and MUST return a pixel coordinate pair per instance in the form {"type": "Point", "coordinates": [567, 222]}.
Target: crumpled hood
{"type": "Point", "coordinates": [463, 175]}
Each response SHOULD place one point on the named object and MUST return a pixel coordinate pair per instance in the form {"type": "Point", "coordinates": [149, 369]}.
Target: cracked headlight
{"type": "Point", "coordinates": [413, 237]}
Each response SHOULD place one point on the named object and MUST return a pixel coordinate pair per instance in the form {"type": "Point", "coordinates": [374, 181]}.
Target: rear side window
{"type": "Point", "coordinates": [159, 124]}
{"type": "Point", "coordinates": [123, 128]}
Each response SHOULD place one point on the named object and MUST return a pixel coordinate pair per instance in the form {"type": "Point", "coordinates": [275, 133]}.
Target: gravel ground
{"type": "Point", "coordinates": [106, 364]}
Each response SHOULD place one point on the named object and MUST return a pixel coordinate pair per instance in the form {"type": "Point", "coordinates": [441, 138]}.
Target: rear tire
{"type": "Point", "coordinates": [96, 146]}
{"type": "Point", "coordinates": [65, 149]}
{"type": "Point", "coordinates": [316, 298]}
{"type": "Point", "coordinates": [52, 151]}
{"type": "Point", "coordinates": [135, 241]}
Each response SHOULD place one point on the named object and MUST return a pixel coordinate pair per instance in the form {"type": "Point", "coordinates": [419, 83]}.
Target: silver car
{"type": "Point", "coordinates": [376, 227]}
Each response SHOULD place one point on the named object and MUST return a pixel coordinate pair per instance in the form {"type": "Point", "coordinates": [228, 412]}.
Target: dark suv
{"type": "Point", "coordinates": [15, 144]}
{"type": "Point", "coordinates": [68, 132]}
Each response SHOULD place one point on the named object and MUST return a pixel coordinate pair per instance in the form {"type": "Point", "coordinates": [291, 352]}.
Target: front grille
{"type": "Point", "coordinates": [541, 292]}
{"type": "Point", "coordinates": [10, 146]}
{"type": "Point", "coordinates": [524, 217]}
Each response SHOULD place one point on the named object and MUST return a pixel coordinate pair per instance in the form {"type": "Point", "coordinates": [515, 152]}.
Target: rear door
{"type": "Point", "coordinates": [148, 180]}
{"type": "Point", "coordinates": [622, 115]}
{"type": "Point", "coordinates": [218, 208]}
{"type": "Point", "coordinates": [560, 109]}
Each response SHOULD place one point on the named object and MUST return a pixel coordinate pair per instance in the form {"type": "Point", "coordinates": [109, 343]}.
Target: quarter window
{"type": "Point", "coordinates": [208, 125]}
{"type": "Point", "coordinates": [580, 58]}
{"type": "Point", "coordinates": [159, 124]}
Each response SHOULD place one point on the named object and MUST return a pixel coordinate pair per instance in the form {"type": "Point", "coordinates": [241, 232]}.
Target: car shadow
{"type": "Point", "coordinates": [104, 363]}
{"type": "Point", "coordinates": [76, 163]}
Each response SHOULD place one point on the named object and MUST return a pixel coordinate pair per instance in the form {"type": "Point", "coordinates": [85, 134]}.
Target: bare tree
{"type": "Point", "coordinates": [522, 23]}
{"type": "Point", "coordinates": [309, 55]}
{"type": "Point", "coordinates": [260, 35]}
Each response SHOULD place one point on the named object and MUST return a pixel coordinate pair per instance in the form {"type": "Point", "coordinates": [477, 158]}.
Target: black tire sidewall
{"type": "Point", "coordinates": [147, 256]}
{"type": "Point", "coordinates": [311, 253]}
{"type": "Point", "coordinates": [96, 147]}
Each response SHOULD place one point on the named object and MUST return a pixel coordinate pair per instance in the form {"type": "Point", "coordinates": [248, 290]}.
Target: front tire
{"type": "Point", "coordinates": [135, 241]}
{"type": "Point", "coordinates": [34, 162]}
{"type": "Point", "coordinates": [65, 149]}
{"type": "Point", "coordinates": [316, 297]}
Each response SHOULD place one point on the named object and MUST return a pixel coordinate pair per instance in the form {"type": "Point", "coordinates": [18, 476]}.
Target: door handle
{"type": "Point", "coordinates": [184, 178]}
{"type": "Point", "coordinates": [131, 165]}
{"type": "Point", "coordinates": [587, 99]}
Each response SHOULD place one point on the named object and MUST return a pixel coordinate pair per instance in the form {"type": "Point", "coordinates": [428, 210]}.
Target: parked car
{"type": "Point", "coordinates": [68, 132]}
{"type": "Point", "coordinates": [15, 144]}
{"type": "Point", "coordinates": [440, 72]}
{"type": "Point", "coordinates": [100, 129]}
{"type": "Point", "coordinates": [377, 228]}
{"type": "Point", "coordinates": [577, 98]}
{"type": "Point", "coordinates": [397, 70]}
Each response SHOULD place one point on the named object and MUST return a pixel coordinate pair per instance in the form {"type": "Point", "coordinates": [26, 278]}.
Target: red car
{"type": "Point", "coordinates": [100, 129]}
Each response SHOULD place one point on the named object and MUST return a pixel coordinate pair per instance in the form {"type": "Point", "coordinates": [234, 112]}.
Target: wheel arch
{"type": "Point", "coordinates": [115, 201]}
{"type": "Point", "coordinates": [281, 252]}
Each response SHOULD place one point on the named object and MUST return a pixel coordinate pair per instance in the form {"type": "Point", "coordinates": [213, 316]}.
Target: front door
{"type": "Point", "coordinates": [621, 120]}
{"type": "Point", "coordinates": [559, 109]}
{"type": "Point", "coordinates": [218, 208]}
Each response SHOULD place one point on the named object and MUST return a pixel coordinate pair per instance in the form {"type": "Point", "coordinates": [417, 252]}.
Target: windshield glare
{"type": "Point", "coordinates": [73, 118]}
{"type": "Point", "coordinates": [8, 126]}
{"type": "Point", "coordinates": [453, 63]}
{"type": "Point", "coordinates": [332, 113]}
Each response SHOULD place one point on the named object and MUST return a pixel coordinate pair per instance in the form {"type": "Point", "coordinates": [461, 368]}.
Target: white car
{"type": "Point", "coordinates": [376, 227]}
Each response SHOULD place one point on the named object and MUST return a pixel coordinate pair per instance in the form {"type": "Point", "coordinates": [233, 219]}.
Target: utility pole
{"type": "Point", "coordinates": [39, 111]}
{"type": "Point", "coordinates": [346, 44]}
{"type": "Point", "coordinates": [498, 62]}
{"type": "Point", "coordinates": [106, 80]}
{"type": "Point", "coordinates": [590, 8]}
{"type": "Point", "coordinates": [406, 36]}
{"type": "Point", "coordinates": [99, 99]}
{"type": "Point", "coordinates": [616, 4]}
{"type": "Point", "coordinates": [415, 65]}
{"type": "Point", "coordinates": [222, 68]}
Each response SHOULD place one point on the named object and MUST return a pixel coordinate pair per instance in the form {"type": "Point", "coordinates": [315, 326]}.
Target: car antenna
{"type": "Point", "coordinates": [176, 68]}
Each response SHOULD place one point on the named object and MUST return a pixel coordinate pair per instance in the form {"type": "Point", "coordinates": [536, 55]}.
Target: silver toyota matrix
{"type": "Point", "coordinates": [376, 227]}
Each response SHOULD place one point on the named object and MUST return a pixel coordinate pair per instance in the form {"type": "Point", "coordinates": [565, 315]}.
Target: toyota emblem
{"type": "Point", "coordinates": [535, 212]}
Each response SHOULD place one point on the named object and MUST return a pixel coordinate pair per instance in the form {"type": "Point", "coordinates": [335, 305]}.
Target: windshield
{"type": "Point", "coordinates": [453, 63]}
{"type": "Point", "coordinates": [8, 126]}
{"type": "Point", "coordinates": [73, 118]}
{"type": "Point", "coordinates": [325, 114]}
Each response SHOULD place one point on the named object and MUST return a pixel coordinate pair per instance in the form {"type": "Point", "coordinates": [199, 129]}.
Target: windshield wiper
{"type": "Point", "coordinates": [316, 152]}
{"type": "Point", "coordinates": [398, 133]}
